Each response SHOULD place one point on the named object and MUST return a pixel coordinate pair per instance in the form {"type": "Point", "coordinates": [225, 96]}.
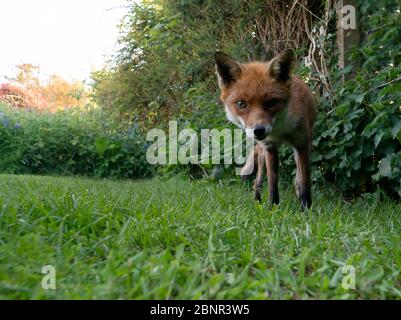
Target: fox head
{"type": "Point", "coordinates": [255, 94]}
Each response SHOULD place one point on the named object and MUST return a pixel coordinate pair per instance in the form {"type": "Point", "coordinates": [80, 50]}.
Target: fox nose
{"type": "Point", "coordinates": [259, 132]}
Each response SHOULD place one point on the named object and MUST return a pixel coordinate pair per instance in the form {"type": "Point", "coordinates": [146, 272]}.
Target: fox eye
{"type": "Point", "coordinates": [271, 103]}
{"type": "Point", "coordinates": [241, 104]}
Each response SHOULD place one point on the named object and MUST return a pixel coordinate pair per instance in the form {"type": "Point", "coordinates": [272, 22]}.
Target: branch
{"type": "Point", "coordinates": [383, 85]}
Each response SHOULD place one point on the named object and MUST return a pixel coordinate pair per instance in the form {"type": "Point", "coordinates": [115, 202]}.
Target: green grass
{"type": "Point", "coordinates": [190, 240]}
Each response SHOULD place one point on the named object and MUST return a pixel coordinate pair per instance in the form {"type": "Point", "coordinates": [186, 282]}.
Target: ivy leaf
{"type": "Point", "coordinates": [378, 138]}
{"type": "Point", "coordinates": [384, 168]}
{"type": "Point", "coordinates": [359, 98]}
{"type": "Point", "coordinates": [396, 129]}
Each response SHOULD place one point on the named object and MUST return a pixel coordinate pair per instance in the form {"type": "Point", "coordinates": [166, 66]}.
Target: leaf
{"type": "Point", "coordinates": [101, 145]}
{"type": "Point", "coordinates": [75, 141]}
{"type": "Point", "coordinates": [378, 138]}
{"type": "Point", "coordinates": [384, 167]}
{"type": "Point", "coordinates": [341, 109]}
{"type": "Point", "coordinates": [359, 98]}
{"type": "Point", "coordinates": [396, 129]}
{"type": "Point", "coordinates": [347, 69]}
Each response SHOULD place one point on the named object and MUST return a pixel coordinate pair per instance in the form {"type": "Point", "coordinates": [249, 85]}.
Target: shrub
{"type": "Point", "coordinates": [31, 89]}
{"type": "Point", "coordinates": [69, 143]}
{"type": "Point", "coordinates": [14, 96]}
{"type": "Point", "coordinates": [358, 141]}
{"type": "Point", "coordinates": [164, 71]}
{"type": "Point", "coordinates": [167, 50]}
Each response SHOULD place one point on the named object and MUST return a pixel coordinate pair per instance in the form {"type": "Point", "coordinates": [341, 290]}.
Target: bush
{"type": "Point", "coordinates": [14, 96]}
{"type": "Point", "coordinates": [31, 89]}
{"type": "Point", "coordinates": [167, 50]}
{"type": "Point", "coordinates": [69, 143]}
{"type": "Point", "coordinates": [165, 71]}
{"type": "Point", "coordinates": [358, 142]}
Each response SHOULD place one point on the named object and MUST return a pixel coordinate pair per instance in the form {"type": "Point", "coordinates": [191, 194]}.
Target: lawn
{"type": "Point", "coordinates": [175, 239]}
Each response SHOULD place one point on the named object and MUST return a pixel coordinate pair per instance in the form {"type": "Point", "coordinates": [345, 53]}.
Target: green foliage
{"type": "Point", "coordinates": [165, 67]}
{"type": "Point", "coordinates": [180, 240]}
{"type": "Point", "coordinates": [69, 143]}
{"type": "Point", "coordinates": [165, 71]}
{"type": "Point", "coordinates": [358, 142]}
{"type": "Point", "coordinates": [166, 57]}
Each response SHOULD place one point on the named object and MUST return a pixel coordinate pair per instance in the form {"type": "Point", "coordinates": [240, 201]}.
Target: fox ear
{"type": "Point", "coordinates": [280, 67]}
{"type": "Point", "coordinates": [228, 70]}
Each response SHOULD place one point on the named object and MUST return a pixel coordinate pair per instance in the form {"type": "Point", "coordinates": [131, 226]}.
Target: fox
{"type": "Point", "coordinates": [274, 107]}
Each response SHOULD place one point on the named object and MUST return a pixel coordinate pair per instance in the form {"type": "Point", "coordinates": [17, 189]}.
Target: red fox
{"type": "Point", "coordinates": [273, 106]}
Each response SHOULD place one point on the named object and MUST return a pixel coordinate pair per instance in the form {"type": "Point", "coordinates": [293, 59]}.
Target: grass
{"type": "Point", "coordinates": [191, 240]}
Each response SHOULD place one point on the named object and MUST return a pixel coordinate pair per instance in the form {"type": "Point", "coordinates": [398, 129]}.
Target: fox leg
{"type": "Point", "coordinates": [302, 179]}
{"type": "Point", "coordinates": [272, 163]}
{"type": "Point", "coordinates": [260, 173]}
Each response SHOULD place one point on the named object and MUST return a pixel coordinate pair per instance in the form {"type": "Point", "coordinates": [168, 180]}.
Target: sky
{"type": "Point", "coordinates": [67, 37]}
